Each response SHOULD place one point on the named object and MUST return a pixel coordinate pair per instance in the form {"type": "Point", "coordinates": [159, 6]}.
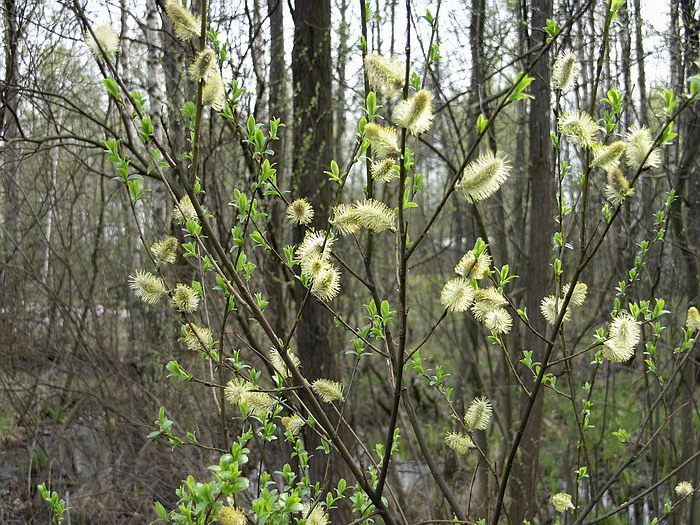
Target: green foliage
{"type": "Point", "coordinates": [240, 254]}
{"type": "Point", "coordinates": [521, 83]}
{"type": "Point", "coordinates": [57, 505]}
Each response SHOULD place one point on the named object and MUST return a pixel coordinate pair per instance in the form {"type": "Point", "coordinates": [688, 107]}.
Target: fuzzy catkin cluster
{"type": "Point", "coordinates": [197, 337]}
{"type": "Point", "coordinates": [204, 69]}
{"type": "Point", "coordinates": [313, 255]}
{"type": "Point", "coordinates": [477, 417]}
{"type": "Point", "coordinates": [565, 71]}
{"type": "Point", "coordinates": [637, 149]}
{"type": "Point", "coordinates": [551, 305]}
{"type": "Point", "coordinates": [618, 187]}
{"type": "Point", "coordinates": [415, 113]}
{"type": "Point", "coordinates": [183, 298]}
{"type": "Point", "coordinates": [463, 293]}
{"type": "Point", "coordinates": [371, 214]}
{"type": "Point", "coordinates": [385, 170]}
{"type": "Point", "coordinates": [165, 251]}
{"type": "Point", "coordinates": [460, 443]}
{"type": "Point", "coordinates": [240, 392]}
{"type": "Point", "coordinates": [640, 152]}
{"type": "Point", "coordinates": [314, 515]}
{"type": "Point", "coordinates": [293, 424]}
{"type": "Point", "coordinates": [579, 128]}
{"type": "Point", "coordinates": [384, 74]}
{"type": "Point", "coordinates": [187, 26]}
{"type": "Point", "coordinates": [203, 65]}
{"type": "Point", "coordinates": [107, 39]}
{"type": "Point", "coordinates": [624, 335]}
{"type": "Point", "coordinates": [478, 414]}
{"type": "Point", "coordinates": [184, 211]}
{"type": "Point", "coordinates": [147, 286]}
{"type": "Point", "coordinates": [483, 176]}
{"type": "Point", "coordinates": [279, 365]}
{"type": "Point", "coordinates": [608, 157]}
{"type": "Point", "coordinates": [684, 489]}
{"type": "Point", "coordinates": [328, 390]}
{"type": "Point", "coordinates": [232, 516]}
{"type": "Point", "coordinates": [692, 320]}
{"type": "Point", "coordinates": [300, 212]}
{"type": "Point", "coordinates": [561, 502]}
{"type": "Point", "coordinates": [384, 140]}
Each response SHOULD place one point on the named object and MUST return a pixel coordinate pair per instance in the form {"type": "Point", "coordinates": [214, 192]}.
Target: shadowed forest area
{"type": "Point", "coordinates": [351, 262]}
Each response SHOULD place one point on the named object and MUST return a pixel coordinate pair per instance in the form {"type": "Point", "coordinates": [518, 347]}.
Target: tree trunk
{"type": "Point", "coordinates": [10, 296]}
{"type": "Point", "coordinates": [317, 340]}
{"type": "Point", "coordinates": [277, 109]}
{"type": "Point", "coordinates": [8, 118]}
{"type": "Point", "coordinates": [343, 50]}
{"type": "Point", "coordinates": [625, 36]}
{"type": "Point", "coordinates": [313, 141]}
{"type": "Point", "coordinates": [257, 56]}
{"type": "Point", "coordinates": [639, 52]}
{"type": "Point", "coordinates": [50, 203]}
{"type": "Point", "coordinates": [526, 468]}
{"type": "Point", "coordinates": [173, 67]}
{"type": "Point", "coordinates": [479, 499]}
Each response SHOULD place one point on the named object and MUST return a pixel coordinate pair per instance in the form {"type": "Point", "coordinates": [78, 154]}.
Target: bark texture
{"type": "Point", "coordinates": [317, 340]}
{"type": "Point", "coordinates": [526, 468]}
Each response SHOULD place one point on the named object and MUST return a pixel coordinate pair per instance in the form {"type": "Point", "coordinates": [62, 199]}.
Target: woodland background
{"type": "Point", "coordinates": [82, 360]}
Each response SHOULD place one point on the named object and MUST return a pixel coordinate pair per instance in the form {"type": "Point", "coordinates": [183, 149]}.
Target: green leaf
{"type": "Point", "coordinates": [242, 201]}
{"type": "Point", "coordinates": [139, 99]}
{"type": "Point", "coordinates": [112, 146]}
{"type": "Point", "coordinates": [523, 315]}
{"type": "Point", "coordinates": [435, 53]}
{"type": "Point", "coordinates": [177, 371]}
{"type": "Point", "coordinates": [668, 135]}
{"type": "Point", "coordinates": [259, 140]}
{"type": "Point", "coordinates": [266, 171]}
{"type": "Point", "coordinates": [481, 123]}
{"type": "Point", "coordinates": [275, 124]}
{"type": "Point", "coordinates": [146, 131]}
{"type": "Point", "coordinates": [236, 92]}
{"type": "Point", "coordinates": [694, 85]}
{"type": "Point", "coordinates": [334, 174]}
{"type": "Point", "coordinates": [669, 99]}
{"type": "Point", "coordinates": [622, 435]}
{"type": "Point", "coordinates": [112, 88]}
{"type": "Point", "coordinates": [521, 84]}
{"type": "Point", "coordinates": [615, 6]}
{"type": "Point", "coordinates": [193, 227]}
{"type": "Point", "coordinates": [417, 182]}
{"type": "Point", "coordinates": [259, 240]}
{"type": "Point", "coordinates": [135, 190]}
{"type": "Point", "coordinates": [190, 110]}
{"type": "Point", "coordinates": [552, 28]}
{"type": "Point", "coordinates": [250, 125]}
{"type": "Point", "coordinates": [385, 309]}
{"type": "Point", "coordinates": [362, 46]}
{"type": "Point", "coordinates": [361, 128]}
{"type": "Point", "coordinates": [614, 99]}
{"type": "Point", "coordinates": [415, 81]}
{"type": "Point", "coordinates": [371, 104]}
{"type": "Point", "coordinates": [160, 510]}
